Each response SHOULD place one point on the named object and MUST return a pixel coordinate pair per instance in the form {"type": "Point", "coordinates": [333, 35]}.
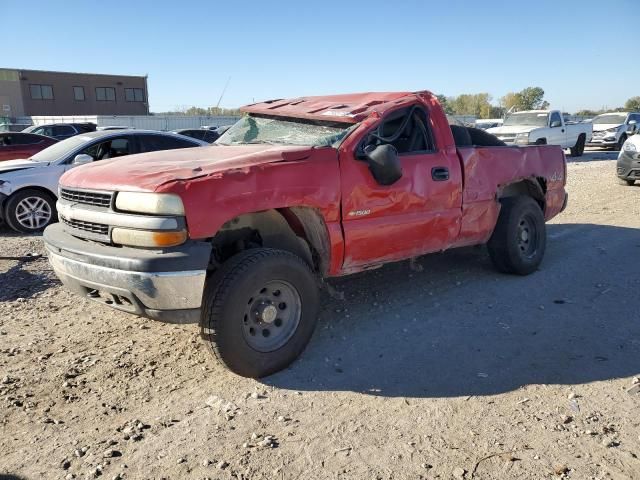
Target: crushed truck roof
{"type": "Point", "coordinates": [348, 108]}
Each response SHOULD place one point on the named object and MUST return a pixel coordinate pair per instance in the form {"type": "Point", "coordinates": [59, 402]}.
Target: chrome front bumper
{"type": "Point", "coordinates": [171, 296]}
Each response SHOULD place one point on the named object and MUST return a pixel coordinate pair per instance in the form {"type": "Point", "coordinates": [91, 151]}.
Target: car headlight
{"type": "Point", "coordinates": [153, 203]}
{"type": "Point", "coordinates": [146, 238]}
{"type": "Point", "coordinates": [629, 147]}
{"type": "Point", "coordinates": [613, 129]}
{"type": "Point", "coordinates": [522, 138]}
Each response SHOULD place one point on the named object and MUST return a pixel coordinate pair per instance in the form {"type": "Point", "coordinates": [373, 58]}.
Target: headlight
{"type": "Point", "coordinates": [154, 203]}
{"type": "Point", "coordinates": [522, 138]}
{"type": "Point", "coordinates": [146, 238]}
{"type": "Point", "coordinates": [629, 147]}
{"type": "Point", "coordinates": [613, 129]}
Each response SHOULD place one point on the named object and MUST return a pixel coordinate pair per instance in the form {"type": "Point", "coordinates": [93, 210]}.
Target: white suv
{"type": "Point", "coordinates": [612, 129]}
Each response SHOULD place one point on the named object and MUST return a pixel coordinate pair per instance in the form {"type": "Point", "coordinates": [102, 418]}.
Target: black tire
{"type": "Point", "coordinates": [628, 182]}
{"type": "Point", "coordinates": [14, 212]}
{"type": "Point", "coordinates": [230, 292]}
{"type": "Point", "coordinates": [508, 248]}
{"type": "Point", "coordinates": [623, 138]}
{"type": "Point", "coordinates": [541, 141]}
{"type": "Point", "coordinates": [578, 149]}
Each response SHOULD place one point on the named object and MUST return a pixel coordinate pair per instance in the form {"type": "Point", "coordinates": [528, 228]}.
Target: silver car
{"type": "Point", "coordinates": [28, 188]}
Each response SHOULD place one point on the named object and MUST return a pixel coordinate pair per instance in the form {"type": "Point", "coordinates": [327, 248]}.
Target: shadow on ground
{"type": "Point", "coordinates": [594, 155]}
{"type": "Point", "coordinates": [18, 282]}
{"type": "Point", "coordinates": [459, 328]}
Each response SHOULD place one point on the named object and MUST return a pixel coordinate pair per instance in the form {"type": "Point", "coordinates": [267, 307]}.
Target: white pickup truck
{"type": "Point", "coordinates": [540, 127]}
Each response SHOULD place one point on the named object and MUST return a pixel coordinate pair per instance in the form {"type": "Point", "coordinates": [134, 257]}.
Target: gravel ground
{"type": "Point", "coordinates": [454, 371]}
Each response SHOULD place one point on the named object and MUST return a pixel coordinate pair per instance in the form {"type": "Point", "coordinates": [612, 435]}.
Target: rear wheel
{"type": "Point", "coordinates": [519, 239]}
{"type": "Point", "coordinates": [30, 210]}
{"type": "Point", "coordinates": [578, 149]}
{"type": "Point", "coordinates": [259, 311]}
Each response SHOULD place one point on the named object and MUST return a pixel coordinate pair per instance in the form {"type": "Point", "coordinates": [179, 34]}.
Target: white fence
{"type": "Point", "coordinates": [141, 122]}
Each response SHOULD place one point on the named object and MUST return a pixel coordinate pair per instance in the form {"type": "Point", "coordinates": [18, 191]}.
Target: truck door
{"type": "Point", "coordinates": [419, 213]}
{"type": "Point", "coordinates": [558, 130]}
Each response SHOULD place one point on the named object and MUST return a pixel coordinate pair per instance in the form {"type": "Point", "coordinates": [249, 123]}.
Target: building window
{"type": "Point", "coordinates": [134, 94]}
{"type": "Point", "coordinates": [105, 94]}
{"type": "Point", "coordinates": [41, 92]}
{"type": "Point", "coordinates": [78, 94]}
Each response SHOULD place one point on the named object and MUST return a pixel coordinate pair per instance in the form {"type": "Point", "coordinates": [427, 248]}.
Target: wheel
{"type": "Point", "coordinates": [578, 149]}
{"type": "Point", "coordinates": [541, 141]}
{"type": "Point", "coordinates": [259, 311]}
{"type": "Point", "coordinates": [518, 242]}
{"type": "Point", "coordinates": [30, 210]}
{"type": "Point", "coordinates": [623, 138]}
{"type": "Point", "coordinates": [627, 182]}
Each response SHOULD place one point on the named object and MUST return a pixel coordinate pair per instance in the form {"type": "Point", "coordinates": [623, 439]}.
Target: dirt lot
{"type": "Point", "coordinates": [454, 371]}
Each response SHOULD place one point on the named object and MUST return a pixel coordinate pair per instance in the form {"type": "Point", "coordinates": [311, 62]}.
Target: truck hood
{"type": "Point", "coordinates": [14, 165]}
{"type": "Point", "coordinates": [148, 171]}
{"type": "Point", "coordinates": [512, 129]}
{"type": "Point", "coordinates": [606, 126]}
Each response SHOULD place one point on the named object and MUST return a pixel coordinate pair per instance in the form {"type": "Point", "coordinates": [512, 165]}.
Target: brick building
{"type": "Point", "coordinates": [38, 92]}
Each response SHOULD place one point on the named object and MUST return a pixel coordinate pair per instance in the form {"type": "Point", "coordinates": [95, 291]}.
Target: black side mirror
{"type": "Point", "coordinates": [384, 163]}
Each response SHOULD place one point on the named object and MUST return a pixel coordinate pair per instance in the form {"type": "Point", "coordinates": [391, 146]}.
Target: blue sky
{"type": "Point", "coordinates": [584, 54]}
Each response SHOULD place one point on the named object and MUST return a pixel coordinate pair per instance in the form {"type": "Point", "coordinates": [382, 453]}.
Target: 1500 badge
{"type": "Point", "coordinates": [359, 213]}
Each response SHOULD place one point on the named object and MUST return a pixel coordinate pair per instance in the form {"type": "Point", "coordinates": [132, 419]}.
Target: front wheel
{"type": "Point", "coordinates": [519, 239]}
{"type": "Point", "coordinates": [627, 182]}
{"type": "Point", "coordinates": [30, 210]}
{"type": "Point", "coordinates": [259, 311]}
{"type": "Point", "coordinates": [623, 138]}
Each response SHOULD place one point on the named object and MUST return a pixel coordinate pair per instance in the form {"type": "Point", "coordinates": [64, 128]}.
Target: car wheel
{"type": "Point", "coordinates": [541, 141]}
{"type": "Point", "coordinates": [30, 210]}
{"type": "Point", "coordinates": [623, 138]}
{"type": "Point", "coordinates": [578, 149]}
{"type": "Point", "coordinates": [259, 311]}
{"type": "Point", "coordinates": [627, 182]}
{"type": "Point", "coordinates": [518, 242]}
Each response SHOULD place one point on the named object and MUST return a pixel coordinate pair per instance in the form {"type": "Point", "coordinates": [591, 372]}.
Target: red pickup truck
{"type": "Point", "coordinates": [238, 236]}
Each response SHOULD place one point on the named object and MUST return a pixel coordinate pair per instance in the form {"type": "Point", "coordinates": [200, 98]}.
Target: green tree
{"type": "Point", "coordinates": [444, 103]}
{"type": "Point", "coordinates": [633, 104]}
{"type": "Point", "coordinates": [530, 98]}
{"type": "Point", "coordinates": [477, 104]}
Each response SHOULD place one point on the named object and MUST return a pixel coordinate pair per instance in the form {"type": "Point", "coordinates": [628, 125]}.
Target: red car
{"type": "Point", "coordinates": [238, 236]}
{"type": "Point", "coordinates": [15, 145]}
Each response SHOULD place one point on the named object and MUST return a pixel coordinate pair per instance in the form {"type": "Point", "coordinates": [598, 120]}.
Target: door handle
{"type": "Point", "coordinates": [440, 174]}
{"type": "Point", "coordinates": [563, 130]}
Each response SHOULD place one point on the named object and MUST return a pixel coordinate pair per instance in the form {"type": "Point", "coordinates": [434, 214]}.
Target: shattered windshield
{"type": "Point", "coordinates": [528, 119]}
{"type": "Point", "coordinates": [252, 129]}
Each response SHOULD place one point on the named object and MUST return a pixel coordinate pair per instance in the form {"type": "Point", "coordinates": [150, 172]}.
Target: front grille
{"type": "Point", "coordinates": [97, 228]}
{"type": "Point", "coordinates": [89, 198]}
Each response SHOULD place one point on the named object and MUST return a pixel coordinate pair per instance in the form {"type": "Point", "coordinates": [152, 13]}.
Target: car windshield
{"type": "Point", "coordinates": [279, 131]}
{"type": "Point", "coordinates": [611, 119]}
{"type": "Point", "coordinates": [527, 119]}
{"type": "Point", "coordinates": [60, 149]}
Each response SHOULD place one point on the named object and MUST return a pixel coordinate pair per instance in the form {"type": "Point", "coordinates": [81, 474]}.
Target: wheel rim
{"type": "Point", "coordinates": [33, 212]}
{"type": "Point", "coordinates": [271, 316]}
{"type": "Point", "coordinates": [527, 236]}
